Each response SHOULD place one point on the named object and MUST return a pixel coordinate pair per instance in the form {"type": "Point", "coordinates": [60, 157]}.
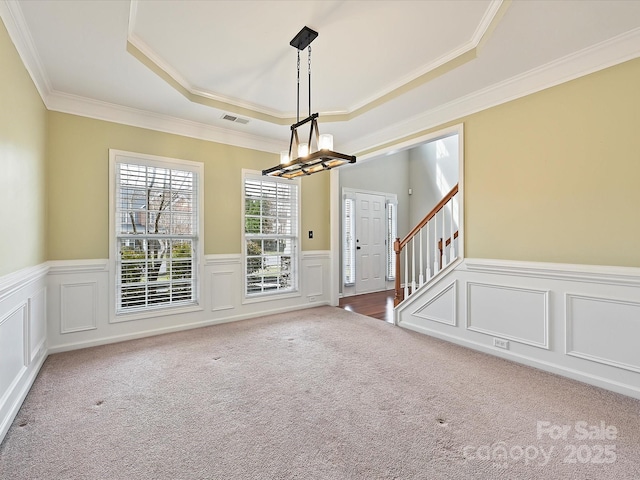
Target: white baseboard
{"type": "Point", "coordinates": [176, 328]}
{"type": "Point", "coordinates": [574, 374]}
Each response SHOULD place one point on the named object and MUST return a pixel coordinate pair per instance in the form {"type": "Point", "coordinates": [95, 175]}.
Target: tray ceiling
{"type": "Point", "coordinates": [381, 70]}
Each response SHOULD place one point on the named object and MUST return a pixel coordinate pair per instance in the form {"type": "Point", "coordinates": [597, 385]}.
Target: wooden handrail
{"type": "Point", "coordinates": [429, 216]}
{"type": "Point", "coordinates": [447, 243]}
{"type": "Point", "coordinates": [398, 245]}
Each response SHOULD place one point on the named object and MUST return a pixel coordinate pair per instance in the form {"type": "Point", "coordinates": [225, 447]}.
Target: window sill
{"type": "Point", "coordinates": [268, 297]}
{"type": "Point", "coordinates": [159, 312]}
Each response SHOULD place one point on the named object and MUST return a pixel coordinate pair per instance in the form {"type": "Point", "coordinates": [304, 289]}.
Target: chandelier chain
{"type": "Point", "coordinates": [298, 97]}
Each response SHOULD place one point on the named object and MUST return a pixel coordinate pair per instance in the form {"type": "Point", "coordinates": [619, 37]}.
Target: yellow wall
{"type": "Point", "coordinates": [23, 132]}
{"type": "Point", "coordinates": [78, 155]}
{"type": "Point", "coordinates": [555, 176]}
{"type": "Point", "coordinates": [316, 215]}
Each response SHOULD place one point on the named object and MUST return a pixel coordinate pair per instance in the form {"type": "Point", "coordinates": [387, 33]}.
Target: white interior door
{"type": "Point", "coordinates": [370, 243]}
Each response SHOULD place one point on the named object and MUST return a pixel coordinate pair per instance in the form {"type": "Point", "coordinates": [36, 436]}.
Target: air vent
{"type": "Point", "coordinates": [233, 118]}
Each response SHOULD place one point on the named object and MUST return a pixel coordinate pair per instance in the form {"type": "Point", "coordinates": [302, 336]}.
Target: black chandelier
{"type": "Point", "coordinates": [309, 159]}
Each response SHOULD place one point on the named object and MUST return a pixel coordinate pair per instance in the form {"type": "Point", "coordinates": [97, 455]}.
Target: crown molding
{"type": "Point", "coordinates": [99, 110]}
{"type": "Point", "coordinates": [16, 25]}
{"type": "Point", "coordinates": [140, 50]}
{"type": "Point", "coordinates": [453, 59]}
{"type": "Point", "coordinates": [157, 62]}
{"type": "Point", "coordinates": [592, 59]}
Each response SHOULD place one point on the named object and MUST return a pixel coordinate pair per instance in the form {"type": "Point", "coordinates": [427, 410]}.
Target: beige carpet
{"type": "Point", "coordinates": [314, 394]}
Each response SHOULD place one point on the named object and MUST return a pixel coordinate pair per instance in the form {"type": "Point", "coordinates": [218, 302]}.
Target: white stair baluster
{"type": "Point", "coordinates": [436, 260]}
{"type": "Point", "coordinates": [444, 235]}
{"type": "Point", "coordinates": [406, 272]}
{"type": "Point", "coordinates": [428, 252]}
{"type": "Point", "coordinates": [413, 265]}
{"type": "Point", "coordinates": [421, 277]}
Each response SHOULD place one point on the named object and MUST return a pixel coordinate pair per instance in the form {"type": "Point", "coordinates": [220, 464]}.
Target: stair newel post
{"type": "Point", "coordinates": [397, 249]}
{"type": "Point", "coordinates": [421, 275]}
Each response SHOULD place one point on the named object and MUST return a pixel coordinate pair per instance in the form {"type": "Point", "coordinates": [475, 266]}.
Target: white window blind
{"type": "Point", "coordinates": [156, 222]}
{"type": "Point", "coordinates": [270, 234]}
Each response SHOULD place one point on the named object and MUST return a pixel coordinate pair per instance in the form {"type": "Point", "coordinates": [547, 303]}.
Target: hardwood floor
{"type": "Point", "coordinates": [377, 305]}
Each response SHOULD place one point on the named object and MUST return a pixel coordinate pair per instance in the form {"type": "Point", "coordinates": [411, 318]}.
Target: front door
{"type": "Point", "coordinates": [370, 243]}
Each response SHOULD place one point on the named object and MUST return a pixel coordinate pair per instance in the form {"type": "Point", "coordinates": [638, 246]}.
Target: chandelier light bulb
{"type": "Point", "coordinates": [303, 150]}
{"type": "Point", "coordinates": [284, 157]}
{"type": "Point", "coordinates": [325, 142]}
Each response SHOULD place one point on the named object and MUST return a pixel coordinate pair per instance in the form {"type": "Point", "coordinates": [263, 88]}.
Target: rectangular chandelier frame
{"type": "Point", "coordinates": [317, 161]}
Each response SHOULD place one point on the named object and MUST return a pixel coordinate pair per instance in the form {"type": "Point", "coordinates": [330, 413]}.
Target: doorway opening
{"type": "Point", "coordinates": [382, 198]}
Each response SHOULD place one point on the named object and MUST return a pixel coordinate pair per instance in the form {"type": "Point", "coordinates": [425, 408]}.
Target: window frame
{"type": "Point", "coordinates": [295, 290]}
{"type": "Point", "coordinates": [391, 214]}
{"type": "Point", "coordinates": [117, 157]}
{"type": "Point", "coordinates": [348, 244]}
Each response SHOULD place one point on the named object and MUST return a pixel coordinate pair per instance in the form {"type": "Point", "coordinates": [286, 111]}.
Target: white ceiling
{"type": "Point", "coordinates": [380, 69]}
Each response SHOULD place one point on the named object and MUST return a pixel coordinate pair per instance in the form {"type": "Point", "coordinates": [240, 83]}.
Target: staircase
{"type": "Point", "coordinates": [428, 248]}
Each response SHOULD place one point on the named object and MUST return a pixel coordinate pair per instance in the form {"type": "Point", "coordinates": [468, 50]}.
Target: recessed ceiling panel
{"type": "Point", "coordinates": [240, 51]}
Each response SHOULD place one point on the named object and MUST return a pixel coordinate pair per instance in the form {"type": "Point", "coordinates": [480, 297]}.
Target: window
{"type": "Point", "coordinates": [270, 234]}
{"type": "Point", "coordinates": [348, 248]}
{"type": "Point", "coordinates": [392, 234]}
{"type": "Point", "coordinates": [156, 226]}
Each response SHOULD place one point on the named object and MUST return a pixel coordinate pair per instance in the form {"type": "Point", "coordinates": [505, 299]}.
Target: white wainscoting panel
{"type": "Point", "coordinates": [78, 307]}
{"type": "Point", "coordinates": [517, 314]}
{"type": "Point", "coordinates": [314, 278]}
{"type": "Point", "coordinates": [13, 345]}
{"type": "Point", "coordinates": [80, 301]}
{"type": "Point", "coordinates": [604, 330]}
{"type": "Point", "coordinates": [441, 307]}
{"type": "Point", "coordinates": [580, 321]}
{"type": "Point", "coordinates": [224, 286]}
{"type": "Point", "coordinates": [37, 323]}
{"type": "Point", "coordinates": [77, 302]}
{"type": "Point", "coordinates": [316, 273]}
{"type": "Point", "coordinates": [22, 337]}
